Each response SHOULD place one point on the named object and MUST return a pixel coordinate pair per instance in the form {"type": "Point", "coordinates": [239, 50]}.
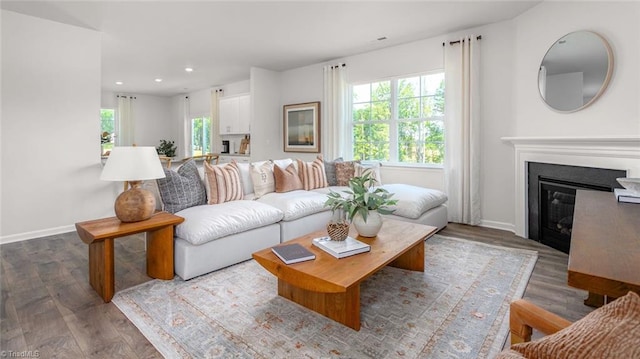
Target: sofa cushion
{"type": "Point", "coordinates": [296, 204]}
{"type": "Point", "coordinates": [611, 331]}
{"type": "Point", "coordinates": [206, 223]}
{"type": "Point", "coordinates": [224, 182]}
{"type": "Point", "coordinates": [286, 179]}
{"type": "Point", "coordinates": [413, 201]}
{"type": "Point", "coordinates": [330, 170]}
{"type": "Point", "coordinates": [245, 177]}
{"type": "Point", "coordinates": [312, 174]}
{"type": "Point", "coordinates": [182, 188]}
{"type": "Point", "coordinates": [262, 178]}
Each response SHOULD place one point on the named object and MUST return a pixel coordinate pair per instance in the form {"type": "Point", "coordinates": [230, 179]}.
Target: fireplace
{"type": "Point", "coordinates": [551, 198]}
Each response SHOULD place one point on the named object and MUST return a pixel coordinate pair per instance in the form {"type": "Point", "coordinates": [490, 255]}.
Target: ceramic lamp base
{"type": "Point", "coordinates": [135, 205]}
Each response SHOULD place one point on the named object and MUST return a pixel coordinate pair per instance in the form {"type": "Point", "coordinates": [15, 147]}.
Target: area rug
{"type": "Point", "coordinates": [457, 308]}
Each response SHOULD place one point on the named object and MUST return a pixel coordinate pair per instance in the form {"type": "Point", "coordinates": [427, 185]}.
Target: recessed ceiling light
{"type": "Point", "coordinates": [119, 82]}
{"type": "Point", "coordinates": [188, 69]}
{"type": "Point", "coordinates": [158, 80]}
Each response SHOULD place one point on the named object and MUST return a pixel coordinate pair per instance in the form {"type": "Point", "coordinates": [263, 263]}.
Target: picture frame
{"type": "Point", "coordinates": [302, 127]}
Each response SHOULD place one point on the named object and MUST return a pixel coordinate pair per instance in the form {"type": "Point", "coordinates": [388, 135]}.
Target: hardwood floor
{"type": "Point", "coordinates": [48, 305]}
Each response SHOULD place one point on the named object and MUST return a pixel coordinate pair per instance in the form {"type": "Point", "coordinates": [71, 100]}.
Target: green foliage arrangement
{"type": "Point", "coordinates": [167, 148]}
{"type": "Point", "coordinates": [362, 198]}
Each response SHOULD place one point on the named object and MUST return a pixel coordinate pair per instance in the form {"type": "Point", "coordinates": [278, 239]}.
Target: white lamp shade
{"type": "Point", "coordinates": [137, 163]}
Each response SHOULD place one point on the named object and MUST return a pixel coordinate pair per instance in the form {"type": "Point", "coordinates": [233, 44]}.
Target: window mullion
{"type": "Point", "coordinates": [393, 123]}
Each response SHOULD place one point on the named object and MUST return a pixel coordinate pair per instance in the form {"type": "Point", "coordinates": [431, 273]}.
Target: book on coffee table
{"type": "Point", "coordinates": [293, 253]}
{"type": "Point", "coordinates": [341, 249]}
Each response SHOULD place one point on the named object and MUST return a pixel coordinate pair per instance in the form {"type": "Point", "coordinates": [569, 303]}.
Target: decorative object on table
{"type": "Point", "coordinates": [167, 148]}
{"type": "Point", "coordinates": [293, 253]}
{"type": "Point", "coordinates": [338, 226]}
{"type": "Point", "coordinates": [302, 127]}
{"type": "Point", "coordinates": [340, 249]}
{"type": "Point", "coordinates": [630, 184]}
{"type": "Point", "coordinates": [244, 145]}
{"type": "Point", "coordinates": [626, 196]}
{"type": "Point", "coordinates": [134, 165]}
{"type": "Point", "coordinates": [363, 204]}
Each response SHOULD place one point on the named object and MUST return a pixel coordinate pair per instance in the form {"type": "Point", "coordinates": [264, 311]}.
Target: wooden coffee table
{"type": "Point", "coordinates": [331, 286]}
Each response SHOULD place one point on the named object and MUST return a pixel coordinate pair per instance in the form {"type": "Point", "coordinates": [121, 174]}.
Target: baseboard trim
{"type": "Point", "coordinates": [36, 234]}
{"type": "Point", "coordinates": [498, 225]}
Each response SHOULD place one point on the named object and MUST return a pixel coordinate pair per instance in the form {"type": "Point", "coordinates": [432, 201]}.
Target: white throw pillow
{"type": "Point", "coordinates": [245, 177]}
{"type": "Point", "coordinates": [373, 167]}
{"type": "Point", "coordinates": [262, 178]}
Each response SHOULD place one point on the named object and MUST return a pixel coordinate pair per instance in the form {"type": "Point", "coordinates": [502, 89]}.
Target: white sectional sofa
{"type": "Point", "coordinates": [219, 235]}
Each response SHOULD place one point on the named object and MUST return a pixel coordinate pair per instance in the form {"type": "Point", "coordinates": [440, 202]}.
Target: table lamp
{"type": "Point", "coordinates": [134, 165]}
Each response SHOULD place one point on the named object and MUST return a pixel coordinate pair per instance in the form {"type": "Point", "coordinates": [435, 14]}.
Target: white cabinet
{"type": "Point", "coordinates": [235, 114]}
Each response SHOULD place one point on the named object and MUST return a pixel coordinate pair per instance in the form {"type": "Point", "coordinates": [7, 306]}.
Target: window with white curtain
{"type": "Point", "coordinates": [200, 135]}
{"type": "Point", "coordinates": [107, 129]}
{"type": "Point", "coordinates": [398, 120]}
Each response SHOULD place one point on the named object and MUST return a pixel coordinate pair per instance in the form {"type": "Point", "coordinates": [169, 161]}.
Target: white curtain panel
{"type": "Point", "coordinates": [462, 130]}
{"type": "Point", "coordinates": [186, 127]}
{"type": "Point", "coordinates": [334, 111]}
{"type": "Point", "coordinates": [215, 122]}
{"type": "Point", "coordinates": [126, 124]}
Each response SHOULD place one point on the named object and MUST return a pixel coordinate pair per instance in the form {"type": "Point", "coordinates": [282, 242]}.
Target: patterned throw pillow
{"type": "Point", "coordinates": [374, 169]}
{"type": "Point", "coordinates": [262, 177]}
{"type": "Point", "coordinates": [330, 170]}
{"type": "Point", "coordinates": [611, 331]}
{"type": "Point", "coordinates": [182, 188]}
{"type": "Point", "coordinates": [312, 174]}
{"type": "Point", "coordinates": [344, 172]}
{"type": "Point", "coordinates": [224, 182]}
{"type": "Point", "coordinates": [286, 179]}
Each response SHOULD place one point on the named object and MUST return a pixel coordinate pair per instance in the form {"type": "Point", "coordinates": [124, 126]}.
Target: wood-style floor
{"type": "Point", "coordinates": [48, 305]}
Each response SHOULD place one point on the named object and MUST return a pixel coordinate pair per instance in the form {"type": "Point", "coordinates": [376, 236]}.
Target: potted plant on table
{"type": "Point", "coordinates": [167, 148]}
{"type": "Point", "coordinates": [363, 204]}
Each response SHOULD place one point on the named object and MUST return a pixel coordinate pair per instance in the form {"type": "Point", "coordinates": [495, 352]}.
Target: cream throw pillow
{"type": "Point", "coordinates": [312, 174]}
{"type": "Point", "coordinates": [224, 182]}
{"type": "Point", "coordinates": [262, 178]}
{"type": "Point", "coordinates": [374, 169]}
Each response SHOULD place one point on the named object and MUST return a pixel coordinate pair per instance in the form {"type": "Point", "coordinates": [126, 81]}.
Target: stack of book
{"type": "Point", "coordinates": [341, 249]}
{"type": "Point", "coordinates": [625, 195]}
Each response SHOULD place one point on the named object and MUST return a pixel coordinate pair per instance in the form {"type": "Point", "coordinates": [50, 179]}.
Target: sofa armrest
{"type": "Point", "coordinates": [526, 316]}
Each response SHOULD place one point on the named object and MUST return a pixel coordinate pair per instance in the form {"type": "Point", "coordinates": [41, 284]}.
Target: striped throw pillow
{"type": "Point", "coordinates": [312, 174]}
{"type": "Point", "coordinates": [224, 182]}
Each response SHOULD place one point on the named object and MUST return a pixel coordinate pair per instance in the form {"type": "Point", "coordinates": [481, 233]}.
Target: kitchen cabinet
{"type": "Point", "coordinates": [235, 114]}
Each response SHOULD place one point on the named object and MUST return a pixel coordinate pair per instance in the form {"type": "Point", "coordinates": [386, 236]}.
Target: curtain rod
{"type": "Point", "coordinates": [338, 65]}
{"type": "Point", "coordinates": [479, 37]}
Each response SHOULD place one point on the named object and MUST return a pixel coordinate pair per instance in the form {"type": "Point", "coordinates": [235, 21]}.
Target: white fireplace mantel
{"type": "Point", "coordinates": [619, 153]}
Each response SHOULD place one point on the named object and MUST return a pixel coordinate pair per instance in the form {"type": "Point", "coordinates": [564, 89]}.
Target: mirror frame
{"type": "Point", "coordinates": [605, 83]}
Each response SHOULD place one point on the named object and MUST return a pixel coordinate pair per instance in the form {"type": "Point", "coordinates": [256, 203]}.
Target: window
{"type": "Point", "coordinates": [399, 120]}
{"type": "Point", "coordinates": [107, 129]}
{"type": "Point", "coordinates": [200, 136]}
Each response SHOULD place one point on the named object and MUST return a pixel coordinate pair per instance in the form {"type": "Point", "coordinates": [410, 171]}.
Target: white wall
{"type": "Point", "coordinates": [616, 112]}
{"type": "Point", "coordinates": [266, 126]}
{"type": "Point", "coordinates": [50, 125]}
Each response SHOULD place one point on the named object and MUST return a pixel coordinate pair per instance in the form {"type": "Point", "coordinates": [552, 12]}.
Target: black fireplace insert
{"type": "Point", "coordinates": [551, 198]}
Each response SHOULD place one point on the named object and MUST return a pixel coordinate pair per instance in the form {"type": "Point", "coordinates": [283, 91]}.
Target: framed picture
{"type": "Point", "coordinates": [302, 127]}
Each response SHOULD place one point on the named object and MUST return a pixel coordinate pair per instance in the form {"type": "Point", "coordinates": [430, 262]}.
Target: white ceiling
{"type": "Point", "coordinates": [145, 40]}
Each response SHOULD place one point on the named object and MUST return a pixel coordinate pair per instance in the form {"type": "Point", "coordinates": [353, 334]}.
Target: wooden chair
{"type": "Point", "coordinates": [209, 157]}
{"type": "Point", "coordinates": [526, 316]}
{"type": "Point", "coordinates": [166, 160]}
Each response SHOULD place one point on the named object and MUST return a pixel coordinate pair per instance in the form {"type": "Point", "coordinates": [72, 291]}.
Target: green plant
{"type": "Point", "coordinates": [362, 198]}
{"type": "Point", "coordinates": [167, 148]}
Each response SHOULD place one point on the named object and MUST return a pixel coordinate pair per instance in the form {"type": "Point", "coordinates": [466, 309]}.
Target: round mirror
{"type": "Point", "coordinates": [575, 71]}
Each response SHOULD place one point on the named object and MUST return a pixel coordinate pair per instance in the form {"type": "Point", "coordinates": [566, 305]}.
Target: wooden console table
{"type": "Point", "coordinates": [604, 258]}
{"type": "Point", "coordinates": [99, 235]}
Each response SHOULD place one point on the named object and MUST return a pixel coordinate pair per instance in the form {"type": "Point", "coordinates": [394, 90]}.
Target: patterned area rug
{"type": "Point", "coordinates": [457, 308]}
